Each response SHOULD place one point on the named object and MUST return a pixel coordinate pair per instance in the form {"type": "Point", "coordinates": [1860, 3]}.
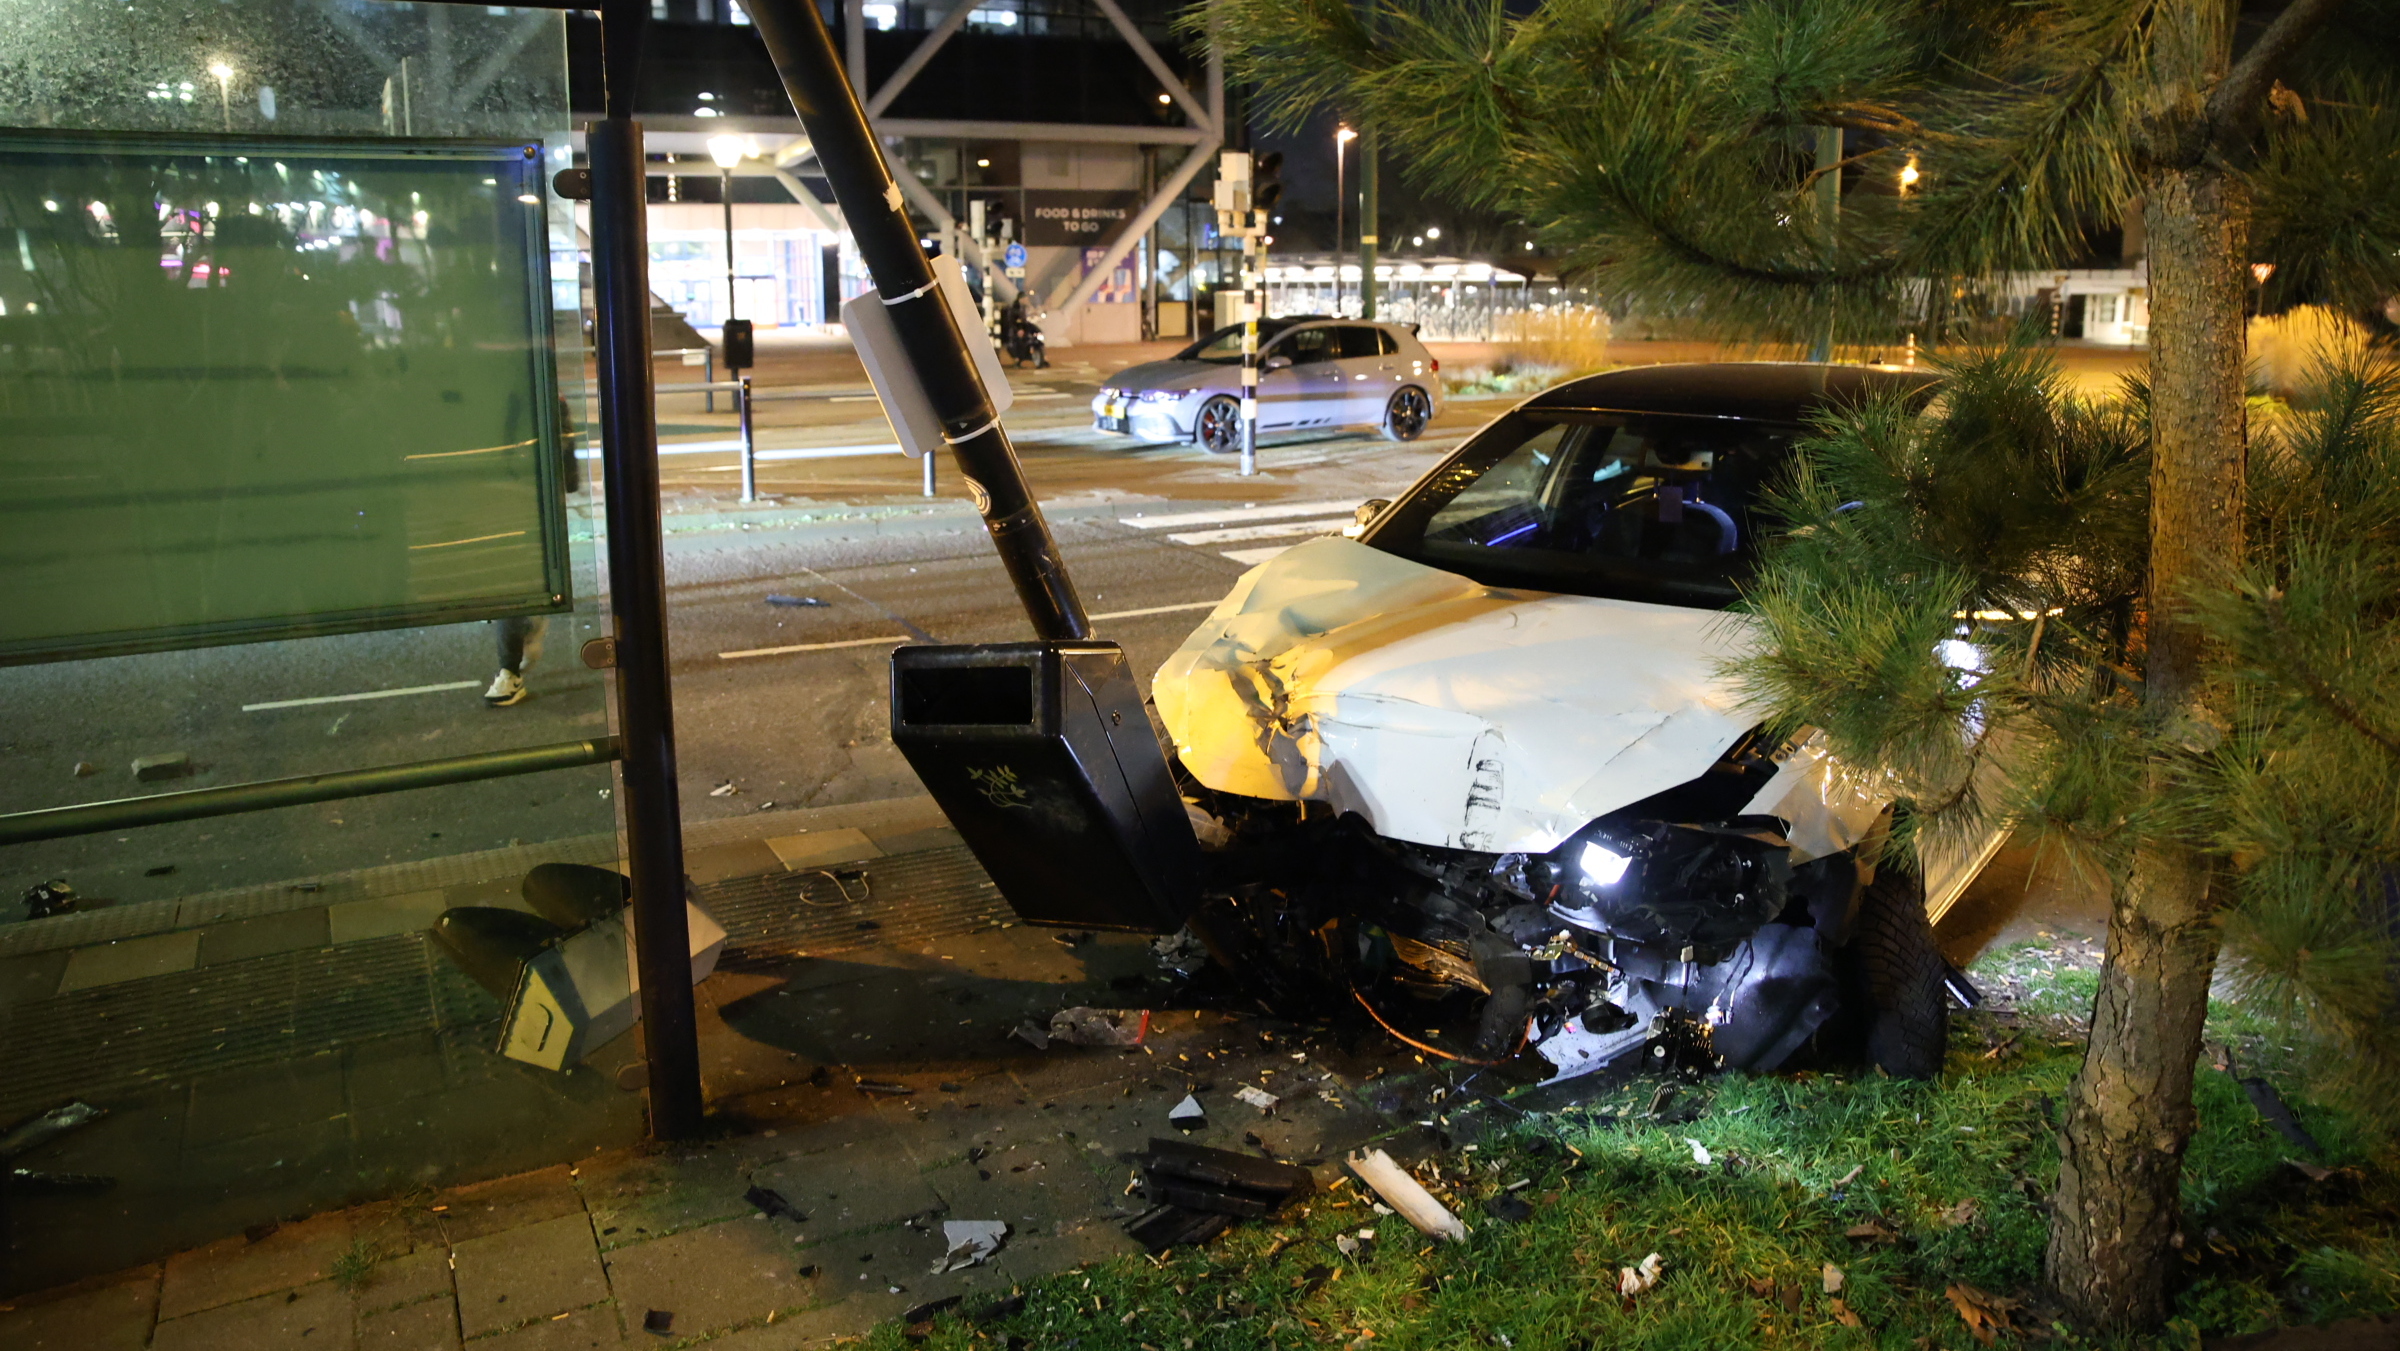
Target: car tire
{"type": "Point", "coordinates": [1893, 978]}
{"type": "Point", "coordinates": [1217, 427]}
{"type": "Point", "coordinates": [1406, 413]}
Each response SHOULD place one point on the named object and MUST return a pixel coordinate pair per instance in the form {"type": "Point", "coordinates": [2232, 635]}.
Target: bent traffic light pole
{"type": "Point", "coordinates": [805, 60]}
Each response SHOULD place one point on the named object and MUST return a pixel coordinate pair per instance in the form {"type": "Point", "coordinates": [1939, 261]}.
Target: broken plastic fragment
{"type": "Point", "coordinates": [1100, 1027]}
{"type": "Point", "coordinates": [968, 1242]}
{"type": "Point", "coordinates": [1700, 1154]}
{"type": "Point", "coordinates": [1833, 1279]}
{"type": "Point", "coordinates": [1257, 1097]}
{"type": "Point", "coordinates": [1412, 1201]}
{"type": "Point", "coordinates": [1632, 1281]}
{"type": "Point", "coordinates": [1188, 1114]}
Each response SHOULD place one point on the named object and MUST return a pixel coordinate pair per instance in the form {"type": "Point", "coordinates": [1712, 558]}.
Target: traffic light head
{"type": "Point", "coordinates": [1266, 187]}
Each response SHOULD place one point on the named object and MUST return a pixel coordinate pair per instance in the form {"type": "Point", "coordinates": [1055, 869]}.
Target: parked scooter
{"type": "Point", "coordinates": [1021, 338]}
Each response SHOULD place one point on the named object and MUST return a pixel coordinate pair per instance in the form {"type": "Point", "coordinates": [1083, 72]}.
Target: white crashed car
{"type": "Point", "coordinates": [1484, 753]}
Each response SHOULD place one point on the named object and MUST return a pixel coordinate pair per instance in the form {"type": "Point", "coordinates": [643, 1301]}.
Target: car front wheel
{"type": "Point", "coordinates": [1406, 415]}
{"type": "Point", "coordinates": [1218, 428]}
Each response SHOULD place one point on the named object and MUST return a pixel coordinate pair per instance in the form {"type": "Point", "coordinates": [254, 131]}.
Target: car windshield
{"type": "Point", "coordinates": [1224, 347]}
{"type": "Point", "coordinates": [1646, 508]}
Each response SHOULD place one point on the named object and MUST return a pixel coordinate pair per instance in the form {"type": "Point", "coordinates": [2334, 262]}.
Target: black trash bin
{"type": "Point", "coordinates": [1042, 757]}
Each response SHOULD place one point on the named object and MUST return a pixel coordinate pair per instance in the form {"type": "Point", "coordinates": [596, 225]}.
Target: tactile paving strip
{"type": "Point", "coordinates": [117, 1039]}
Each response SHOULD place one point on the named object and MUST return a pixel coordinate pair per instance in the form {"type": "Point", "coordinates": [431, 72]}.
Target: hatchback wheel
{"type": "Point", "coordinates": [1218, 428]}
{"type": "Point", "coordinates": [1406, 415]}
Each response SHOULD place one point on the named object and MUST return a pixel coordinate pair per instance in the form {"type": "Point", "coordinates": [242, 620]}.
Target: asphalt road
{"type": "Point", "coordinates": [791, 728]}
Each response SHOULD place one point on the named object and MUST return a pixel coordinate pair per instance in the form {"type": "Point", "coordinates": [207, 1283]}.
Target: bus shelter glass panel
{"type": "Point", "coordinates": [296, 463]}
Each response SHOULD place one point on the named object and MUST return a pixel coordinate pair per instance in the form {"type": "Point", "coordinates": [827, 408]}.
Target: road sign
{"type": "Point", "coordinates": [1013, 256]}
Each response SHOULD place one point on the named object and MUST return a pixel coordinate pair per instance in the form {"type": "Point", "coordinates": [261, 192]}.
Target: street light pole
{"type": "Point", "coordinates": [224, 74]}
{"type": "Point", "coordinates": [1369, 240]}
{"type": "Point", "coordinates": [1341, 143]}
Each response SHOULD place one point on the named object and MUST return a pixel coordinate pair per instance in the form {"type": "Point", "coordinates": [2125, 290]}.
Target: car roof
{"type": "Point", "coordinates": [1758, 391]}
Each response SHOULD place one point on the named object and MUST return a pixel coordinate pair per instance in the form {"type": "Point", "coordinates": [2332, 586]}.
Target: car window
{"type": "Point", "coordinates": [1307, 345]}
{"type": "Point", "coordinates": [1385, 344]}
{"type": "Point", "coordinates": [1358, 340]}
{"type": "Point", "coordinates": [1661, 509]}
{"type": "Point", "coordinates": [1224, 347]}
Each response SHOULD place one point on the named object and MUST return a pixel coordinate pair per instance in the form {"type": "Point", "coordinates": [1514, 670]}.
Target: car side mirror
{"type": "Point", "coordinates": [1277, 363]}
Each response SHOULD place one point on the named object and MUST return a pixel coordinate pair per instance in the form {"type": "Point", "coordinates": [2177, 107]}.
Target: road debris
{"type": "Point", "coordinates": [1196, 1192]}
{"type": "Point", "coordinates": [1257, 1097]}
{"type": "Point", "coordinates": [1188, 1115]}
{"type": "Point", "coordinates": [1833, 1279]}
{"type": "Point", "coordinates": [54, 897]}
{"type": "Point", "coordinates": [660, 1321]}
{"type": "Point", "coordinates": [159, 768]}
{"type": "Point", "coordinates": [1632, 1281]}
{"type": "Point", "coordinates": [969, 1242]}
{"type": "Point", "coordinates": [1411, 1200]}
{"type": "Point", "coordinates": [725, 789]}
{"type": "Point", "coordinates": [2278, 1113]}
{"type": "Point", "coordinates": [771, 1203]}
{"type": "Point", "coordinates": [774, 598]}
{"type": "Point", "coordinates": [1700, 1154]}
{"type": "Point", "coordinates": [1032, 1034]}
{"type": "Point", "coordinates": [1082, 1026]}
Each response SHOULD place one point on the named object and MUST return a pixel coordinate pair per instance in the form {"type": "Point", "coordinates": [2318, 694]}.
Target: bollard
{"type": "Point", "coordinates": [750, 445]}
{"type": "Point", "coordinates": [929, 476]}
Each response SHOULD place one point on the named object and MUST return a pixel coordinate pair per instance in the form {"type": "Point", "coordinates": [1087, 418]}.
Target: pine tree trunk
{"type": "Point", "coordinates": [2129, 1115]}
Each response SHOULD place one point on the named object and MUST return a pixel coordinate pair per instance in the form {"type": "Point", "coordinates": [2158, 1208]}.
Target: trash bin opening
{"type": "Point", "coordinates": [969, 695]}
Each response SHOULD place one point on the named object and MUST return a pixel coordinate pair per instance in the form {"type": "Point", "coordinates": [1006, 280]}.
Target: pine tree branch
{"type": "Point", "coordinates": [2234, 107]}
{"type": "Point", "coordinates": [2316, 685]}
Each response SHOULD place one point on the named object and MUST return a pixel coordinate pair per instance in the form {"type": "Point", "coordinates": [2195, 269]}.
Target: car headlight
{"type": "Point", "coordinates": [1603, 866]}
{"type": "Point", "coordinates": [1158, 396]}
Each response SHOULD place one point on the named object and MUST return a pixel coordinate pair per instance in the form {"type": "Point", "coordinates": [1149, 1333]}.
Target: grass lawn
{"type": "Point", "coordinates": [1833, 1211]}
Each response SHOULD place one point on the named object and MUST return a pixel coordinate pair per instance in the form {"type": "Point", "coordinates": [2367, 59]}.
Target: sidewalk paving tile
{"type": "Point", "coordinates": [31, 977]}
{"type": "Point", "coordinates": [427, 1325]}
{"type": "Point", "coordinates": [383, 916]}
{"type": "Point", "coordinates": [856, 1188]}
{"type": "Point", "coordinates": [264, 936]}
{"type": "Point", "coordinates": [410, 1278]}
{"type": "Point", "coordinates": [583, 1330]}
{"type": "Point", "coordinates": [236, 1268]}
{"type": "Point", "coordinates": [713, 1278]}
{"type": "Point", "coordinates": [130, 959]}
{"type": "Point", "coordinates": [385, 1072]}
{"type": "Point", "coordinates": [313, 1318]}
{"type": "Point", "coordinates": [749, 858]}
{"type": "Point", "coordinates": [113, 1313]}
{"type": "Point", "coordinates": [639, 1198]}
{"type": "Point", "coordinates": [481, 1208]}
{"type": "Point", "coordinates": [519, 1275]}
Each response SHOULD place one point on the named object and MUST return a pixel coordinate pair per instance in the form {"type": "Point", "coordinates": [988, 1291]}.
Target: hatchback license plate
{"type": "Point", "coordinates": [1112, 424]}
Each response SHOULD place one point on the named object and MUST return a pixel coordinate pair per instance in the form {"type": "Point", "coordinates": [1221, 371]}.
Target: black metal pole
{"type": "Point", "coordinates": [637, 583]}
{"type": "Point", "coordinates": [811, 70]}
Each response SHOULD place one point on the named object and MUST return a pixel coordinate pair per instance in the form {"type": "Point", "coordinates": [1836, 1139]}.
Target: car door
{"type": "Point", "coordinates": [1308, 392]}
{"type": "Point", "coordinates": [1369, 371]}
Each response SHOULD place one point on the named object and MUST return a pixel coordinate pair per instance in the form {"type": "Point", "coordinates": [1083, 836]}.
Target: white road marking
{"type": "Point", "coordinates": [1159, 610]}
{"type": "Point", "coordinates": [354, 698]}
{"type": "Point", "coordinates": [902, 638]}
{"type": "Point", "coordinates": [1227, 517]}
{"type": "Point", "coordinates": [1275, 530]}
{"type": "Point", "coordinates": [806, 453]}
{"type": "Point", "coordinates": [894, 638]}
{"type": "Point", "coordinates": [1251, 558]}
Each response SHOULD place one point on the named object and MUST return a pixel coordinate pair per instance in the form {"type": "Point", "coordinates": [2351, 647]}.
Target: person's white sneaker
{"type": "Point", "coordinates": [507, 688]}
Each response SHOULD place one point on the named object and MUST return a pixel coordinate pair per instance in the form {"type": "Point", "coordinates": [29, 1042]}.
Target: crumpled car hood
{"type": "Point", "coordinates": [1445, 711]}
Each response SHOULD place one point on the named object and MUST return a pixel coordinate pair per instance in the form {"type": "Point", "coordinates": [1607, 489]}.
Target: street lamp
{"type": "Point", "coordinates": [224, 74]}
{"type": "Point", "coordinates": [727, 151]}
{"type": "Point", "coordinates": [1342, 137]}
{"type": "Point", "coordinates": [1908, 175]}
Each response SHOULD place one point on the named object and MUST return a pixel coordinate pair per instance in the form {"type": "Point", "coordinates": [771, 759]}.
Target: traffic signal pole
{"type": "Point", "coordinates": [811, 70]}
{"type": "Point", "coordinates": [1246, 192]}
{"type": "Point", "coordinates": [1368, 240]}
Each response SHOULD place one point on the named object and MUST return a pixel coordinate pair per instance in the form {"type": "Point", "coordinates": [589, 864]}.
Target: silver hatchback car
{"type": "Point", "coordinates": [1315, 373]}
